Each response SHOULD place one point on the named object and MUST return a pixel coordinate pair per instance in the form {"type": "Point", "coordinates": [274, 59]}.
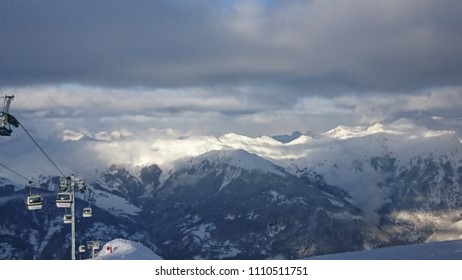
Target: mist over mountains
{"type": "Point", "coordinates": [233, 196]}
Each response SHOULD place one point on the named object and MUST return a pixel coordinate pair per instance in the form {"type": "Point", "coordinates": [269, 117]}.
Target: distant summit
{"type": "Point", "coordinates": [287, 138]}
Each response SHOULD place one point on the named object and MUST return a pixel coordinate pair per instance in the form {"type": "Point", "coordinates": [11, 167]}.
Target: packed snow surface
{"type": "Point", "coordinates": [121, 249]}
{"type": "Point", "coordinates": [447, 250]}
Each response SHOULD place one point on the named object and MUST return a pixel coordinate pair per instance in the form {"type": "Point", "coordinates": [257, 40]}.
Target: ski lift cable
{"type": "Point", "coordinates": [24, 177]}
{"type": "Point", "coordinates": [40, 148]}
{"type": "Point", "coordinates": [10, 119]}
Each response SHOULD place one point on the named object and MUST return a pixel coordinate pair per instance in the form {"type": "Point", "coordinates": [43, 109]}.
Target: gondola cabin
{"type": "Point", "coordinates": [34, 202]}
{"type": "Point", "coordinates": [64, 200]}
{"type": "Point", "coordinates": [67, 219]}
{"type": "Point", "coordinates": [87, 213]}
{"type": "Point", "coordinates": [5, 128]}
{"type": "Point", "coordinates": [5, 118]}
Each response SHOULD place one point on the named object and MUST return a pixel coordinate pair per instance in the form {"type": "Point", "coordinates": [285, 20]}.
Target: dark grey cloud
{"type": "Point", "coordinates": [247, 66]}
{"type": "Point", "coordinates": [308, 47]}
{"type": "Point", "coordinates": [110, 43]}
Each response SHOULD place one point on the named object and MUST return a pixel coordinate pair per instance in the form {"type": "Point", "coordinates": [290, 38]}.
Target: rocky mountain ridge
{"type": "Point", "coordinates": [348, 189]}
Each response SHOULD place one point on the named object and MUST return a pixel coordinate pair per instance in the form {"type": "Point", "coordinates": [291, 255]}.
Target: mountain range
{"type": "Point", "coordinates": [239, 197]}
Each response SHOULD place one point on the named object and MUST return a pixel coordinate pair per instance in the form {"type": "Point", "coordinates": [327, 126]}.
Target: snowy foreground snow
{"type": "Point", "coordinates": [447, 250]}
{"type": "Point", "coordinates": [126, 250]}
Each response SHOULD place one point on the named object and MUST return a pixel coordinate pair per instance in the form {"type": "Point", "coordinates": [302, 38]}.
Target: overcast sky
{"type": "Point", "coordinates": [211, 67]}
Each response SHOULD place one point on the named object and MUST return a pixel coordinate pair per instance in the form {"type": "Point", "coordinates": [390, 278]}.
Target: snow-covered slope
{"type": "Point", "coordinates": [448, 250]}
{"type": "Point", "coordinates": [122, 249]}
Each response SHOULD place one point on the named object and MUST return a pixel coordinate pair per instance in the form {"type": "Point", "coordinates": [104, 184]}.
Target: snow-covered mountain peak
{"type": "Point", "coordinates": [237, 158]}
{"type": "Point", "coordinates": [376, 127]}
{"type": "Point", "coordinates": [303, 139]}
{"type": "Point", "coordinates": [345, 132]}
{"type": "Point", "coordinates": [241, 141]}
{"type": "Point", "coordinates": [403, 127]}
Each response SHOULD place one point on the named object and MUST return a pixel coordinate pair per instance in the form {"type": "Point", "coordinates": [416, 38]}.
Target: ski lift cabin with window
{"type": "Point", "coordinates": [34, 202]}
{"type": "Point", "coordinates": [6, 119]}
{"type": "Point", "coordinates": [5, 129]}
{"type": "Point", "coordinates": [64, 200]}
{"type": "Point", "coordinates": [67, 219]}
{"type": "Point", "coordinates": [87, 213]}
